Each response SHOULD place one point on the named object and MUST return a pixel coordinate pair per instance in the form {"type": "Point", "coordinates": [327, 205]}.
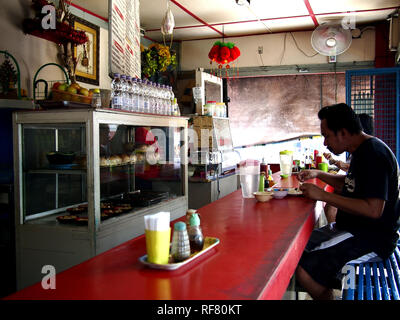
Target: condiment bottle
{"type": "Point", "coordinates": [189, 213]}
{"type": "Point", "coordinates": [261, 185]}
{"type": "Point", "coordinates": [96, 99]}
{"type": "Point", "coordinates": [196, 238]}
{"type": "Point", "coordinates": [271, 182]}
{"type": "Point", "coordinates": [263, 166]}
{"type": "Point", "coordinates": [180, 249]}
{"type": "Point", "coordinates": [308, 163]}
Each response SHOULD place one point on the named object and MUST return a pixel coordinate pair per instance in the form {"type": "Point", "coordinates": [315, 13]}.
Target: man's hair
{"type": "Point", "coordinates": [340, 116]}
{"type": "Point", "coordinates": [367, 123]}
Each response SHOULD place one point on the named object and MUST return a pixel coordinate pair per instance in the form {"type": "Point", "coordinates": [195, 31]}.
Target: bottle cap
{"type": "Point", "coordinates": [194, 220]}
{"type": "Point", "coordinates": [180, 226]}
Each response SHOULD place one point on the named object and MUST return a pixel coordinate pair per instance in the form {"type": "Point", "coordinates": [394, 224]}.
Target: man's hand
{"type": "Point", "coordinates": [327, 156]}
{"type": "Point", "coordinates": [312, 191]}
{"type": "Point", "coordinates": [307, 174]}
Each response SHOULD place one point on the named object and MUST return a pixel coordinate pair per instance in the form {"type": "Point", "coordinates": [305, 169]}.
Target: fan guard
{"type": "Point", "coordinates": [331, 39]}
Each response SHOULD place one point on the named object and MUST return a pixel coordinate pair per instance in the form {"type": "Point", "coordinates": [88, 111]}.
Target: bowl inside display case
{"type": "Point", "coordinates": [60, 158]}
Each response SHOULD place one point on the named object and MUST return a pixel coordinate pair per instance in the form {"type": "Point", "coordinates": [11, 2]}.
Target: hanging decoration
{"type": "Point", "coordinates": [168, 24]}
{"type": "Point", "coordinates": [157, 58]}
{"type": "Point", "coordinates": [64, 34]}
{"type": "Point", "coordinates": [224, 53]}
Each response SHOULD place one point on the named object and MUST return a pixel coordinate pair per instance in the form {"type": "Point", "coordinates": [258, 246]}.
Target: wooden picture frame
{"type": "Point", "coordinates": [87, 55]}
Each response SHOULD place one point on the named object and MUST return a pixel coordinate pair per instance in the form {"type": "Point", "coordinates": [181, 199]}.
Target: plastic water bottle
{"type": "Point", "coordinates": [171, 97]}
{"type": "Point", "coordinates": [167, 103]}
{"type": "Point", "coordinates": [128, 93]}
{"type": "Point", "coordinates": [146, 97]}
{"type": "Point", "coordinates": [140, 96]}
{"type": "Point", "coordinates": [152, 95]}
{"type": "Point", "coordinates": [158, 99]}
{"type": "Point", "coordinates": [166, 100]}
{"type": "Point", "coordinates": [164, 97]}
{"type": "Point", "coordinates": [116, 94]}
{"type": "Point", "coordinates": [128, 86]}
{"type": "Point", "coordinates": [180, 249]}
{"type": "Point", "coordinates": [135, 95]}
{"type": "Point", "coordinates": [125, 94]}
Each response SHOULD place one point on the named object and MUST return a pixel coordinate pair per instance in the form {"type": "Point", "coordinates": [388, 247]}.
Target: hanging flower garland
{"type": "Point", "coordinates": [223, 53]}
{"type": "Point", "coordinates": [157, 58]}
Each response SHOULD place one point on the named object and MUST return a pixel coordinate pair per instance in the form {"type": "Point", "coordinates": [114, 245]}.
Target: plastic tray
{"type": "Point", "coordinates": [209, 243]}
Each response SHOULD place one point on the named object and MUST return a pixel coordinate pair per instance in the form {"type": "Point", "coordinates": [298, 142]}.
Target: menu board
{"type": "Point", "coordinates": [124, 37]}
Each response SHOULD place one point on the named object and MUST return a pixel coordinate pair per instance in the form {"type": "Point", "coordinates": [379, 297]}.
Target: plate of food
{"type": "Point", "coordinates": [294, 192]}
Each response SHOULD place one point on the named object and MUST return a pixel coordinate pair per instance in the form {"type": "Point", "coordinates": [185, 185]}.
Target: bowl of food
{"type": "Point", "coordinates": [59, 158]}
{"type": "Point", "coordinates": [280, 193]}
{"type": "Point", "coordinates": [263, 196]}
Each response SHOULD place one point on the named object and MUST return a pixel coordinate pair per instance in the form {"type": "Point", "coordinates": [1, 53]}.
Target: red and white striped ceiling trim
{"type": "Point", "coordinates": [311, 14]}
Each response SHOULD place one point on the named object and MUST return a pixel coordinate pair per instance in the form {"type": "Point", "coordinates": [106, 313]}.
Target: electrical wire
{"type": "Point", "coordinates": [365, 29]}
{"type": "Point", "coordinates": [297, 46]}
{"type": "Point", "coordinates": [247, 5]}
{"type": "Point", "coordinates": [284, 49]}
{"type": "Point", "coordinates": [262, 62]}
{"type": "Point", "coordinates": [336, 84]}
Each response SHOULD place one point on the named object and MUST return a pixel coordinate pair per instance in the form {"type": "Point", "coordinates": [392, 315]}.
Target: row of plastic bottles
{"type": "Point", "coordinates": [132, 94]}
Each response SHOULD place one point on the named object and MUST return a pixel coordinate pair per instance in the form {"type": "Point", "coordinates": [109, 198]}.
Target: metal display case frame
{"type": "Point", "coordinates": [39, 243]}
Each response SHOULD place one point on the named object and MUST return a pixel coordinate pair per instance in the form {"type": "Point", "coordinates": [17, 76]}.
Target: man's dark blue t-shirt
{"type": "Point", "coordinates": [373, 173]}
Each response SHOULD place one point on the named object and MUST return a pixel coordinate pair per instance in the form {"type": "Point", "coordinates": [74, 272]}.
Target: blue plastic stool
{"type": "Point", "coordinates": [376, 280]}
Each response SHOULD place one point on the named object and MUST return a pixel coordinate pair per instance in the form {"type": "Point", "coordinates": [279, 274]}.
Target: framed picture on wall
{"type": "Point", "coordinates": [87, 55]}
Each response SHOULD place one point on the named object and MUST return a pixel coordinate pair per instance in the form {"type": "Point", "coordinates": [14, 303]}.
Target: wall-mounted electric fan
{"type": "Point", "coordinates": [331, 39]}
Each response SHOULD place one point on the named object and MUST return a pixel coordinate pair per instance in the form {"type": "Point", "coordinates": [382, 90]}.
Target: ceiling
{"type": "Point", "coordinates": [214, 19]}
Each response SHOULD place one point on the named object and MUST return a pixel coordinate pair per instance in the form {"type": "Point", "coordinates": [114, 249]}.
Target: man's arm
{"type": "Point", "coordinates": [334, 180]}
{"type": "Point", "coordinates": [341, 165]}
{"type": "Point", "coordinates": [367, 207]}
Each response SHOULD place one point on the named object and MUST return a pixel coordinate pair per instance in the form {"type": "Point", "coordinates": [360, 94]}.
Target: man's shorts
{"type": "Point", "coordinates": [328, 250]}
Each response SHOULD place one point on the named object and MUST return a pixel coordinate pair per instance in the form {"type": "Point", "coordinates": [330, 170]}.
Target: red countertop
{"type": "Point", "coordinates": [260, 246]}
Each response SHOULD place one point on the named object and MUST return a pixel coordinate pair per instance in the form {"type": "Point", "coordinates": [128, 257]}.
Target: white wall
{"type": "Point", "coordinates": [32, 52]}
{"type": "Point", "coordinates": [194, 54]}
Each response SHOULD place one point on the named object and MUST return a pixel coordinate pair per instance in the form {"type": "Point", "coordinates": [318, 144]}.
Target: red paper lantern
{"type": "Point", "coordinates": [223, 53]}
{"type": "Point", "coordinates": [213, 54]}
{"type": "Point", "coordinates": [235, 53]}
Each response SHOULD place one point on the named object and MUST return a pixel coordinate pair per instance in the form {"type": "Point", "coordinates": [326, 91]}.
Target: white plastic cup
{"type": "Point", "coordinates": [249, 172]}
{"type": "Point", "coordinates": [286, 162]}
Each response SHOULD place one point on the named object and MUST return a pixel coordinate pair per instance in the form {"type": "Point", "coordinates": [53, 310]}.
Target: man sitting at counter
{"type": "Point", "coordinates": [367, 199]}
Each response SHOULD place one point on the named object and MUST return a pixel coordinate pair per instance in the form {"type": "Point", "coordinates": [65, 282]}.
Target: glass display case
{"type": "Point", "coordinates": [85, 179]}
{"type": "Point", "coordinates": [211, 152]}
{"type": "Point", "coordinates": [212, 160]}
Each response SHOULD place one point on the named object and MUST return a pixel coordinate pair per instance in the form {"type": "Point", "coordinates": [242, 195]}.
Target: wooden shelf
{"type": "Point", "coordinates": [63, 33]}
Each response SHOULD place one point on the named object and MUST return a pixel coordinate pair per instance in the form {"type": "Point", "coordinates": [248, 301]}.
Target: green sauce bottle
{"type": "Point", "coordinates": [261, 185]}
